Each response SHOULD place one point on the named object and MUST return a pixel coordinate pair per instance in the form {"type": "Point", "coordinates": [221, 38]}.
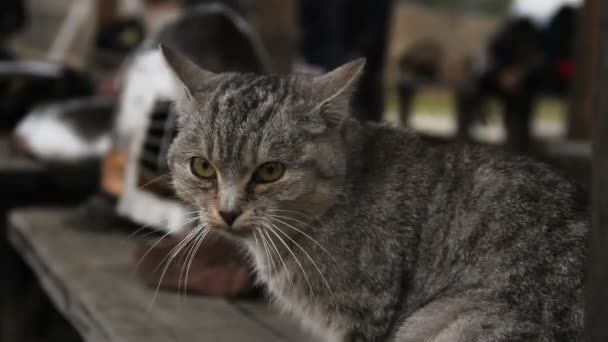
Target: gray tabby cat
{"type": "Point", "coordinates": [368, 233]}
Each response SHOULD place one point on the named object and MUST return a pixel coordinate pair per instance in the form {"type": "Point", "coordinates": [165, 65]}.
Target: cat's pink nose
{"type": "Point", "coordinates": [230, 216]}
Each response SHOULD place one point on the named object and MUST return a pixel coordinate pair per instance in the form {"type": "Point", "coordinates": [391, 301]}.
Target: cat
{"type": "Point", "coordinates": [366, 232]}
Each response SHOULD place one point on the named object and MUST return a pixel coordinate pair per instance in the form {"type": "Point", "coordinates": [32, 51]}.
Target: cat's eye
{"type": "Point", "coordinates": [269, 172]}
{"type": "Point", "coordinates": [202, 168]}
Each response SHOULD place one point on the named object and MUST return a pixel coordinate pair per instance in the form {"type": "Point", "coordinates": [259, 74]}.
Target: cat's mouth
{"type": "Point", "coordinates": [238, 231]}
{"type": "Point", "coordinates": [242, 232]}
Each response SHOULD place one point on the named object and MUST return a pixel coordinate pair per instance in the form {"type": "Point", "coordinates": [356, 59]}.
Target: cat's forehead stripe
{"type": "Point", "coordinates": [242, 108]}
{"type": "Point", "coordinates": [218, 100]}
{"type": "Point", "coordinates": [236, 106]}
{"type": "Point", "coordinates": [223, 90]}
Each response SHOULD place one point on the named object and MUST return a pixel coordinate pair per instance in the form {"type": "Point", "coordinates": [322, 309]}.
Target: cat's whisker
{"type": "Point", "coordinates": [197, 212]}
{"type": "Point", "coordinates": [307, 224]}
{"type": "Point", "coordinates": [267, 243]}
{"type": "Point", "coordinates": [176, 247]}
{"type": "Point", "coordinates": [257, 230]}
{"type": "Point", "coordinates": [151, 224]}
{"type": "Point", "coordinates": [189, 251]}
{"type": "Point", "coordinates": [157, 242]}
{"type": "Point", "coordinates": [190, 220]}
{"type": "Point", "coordinates": [147, 234]}
{"type": "Point", "coordinates": [185, 260]}
{"type": "Point", "coordinates": [171, 255]}
{"type": "Point", "coordinates": [271, 267]}
{"type": "Point", "coordinates": [275, 217]}
{"type": "Point", "coordinates": [205, 231]}
{"type": "Point", "coordinates": [305, 216]}
{"type": "Point", "coordinates": [151, 248]}
{"type": "Point", "coordinates": [311, 260]}
{"type": "Point", "coordinates": [274, 246]}
{"type": "Point", "coordinates": [255, 237]}
{"type": "Point", "coordinates": [155, 180]}
{"type": "Point", "coordinates": [288, 274]}
{"type": "Point", "coordinates": [139, 230]}
{"type": "Point", "coordinates": [275, 264]}
{"type": "Point", "coordinates": [194, 211]}
{"type": "Point", "coordinates": [272, 230]}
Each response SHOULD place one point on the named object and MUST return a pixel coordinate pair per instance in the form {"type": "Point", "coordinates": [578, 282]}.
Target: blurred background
{"type": "Point", "coordinates": [496, 71]}
{"type": "Point", "coordinates": [85, 121]}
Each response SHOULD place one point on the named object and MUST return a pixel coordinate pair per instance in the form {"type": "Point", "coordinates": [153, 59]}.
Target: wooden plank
{"type": "Point", "coordinates": [89, 277]}
{"type": "Point", "coordinates": [266, 315]}
{"type": "Point", "coordinates": [597, 277]}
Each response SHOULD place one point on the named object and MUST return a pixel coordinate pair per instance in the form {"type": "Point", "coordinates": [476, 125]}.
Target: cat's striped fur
{"type": "Point", "coordinates": [373, 234]}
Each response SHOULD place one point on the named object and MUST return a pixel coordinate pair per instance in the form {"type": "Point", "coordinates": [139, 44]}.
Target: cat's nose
{"type": "Point", "coordinates": [230, 216]}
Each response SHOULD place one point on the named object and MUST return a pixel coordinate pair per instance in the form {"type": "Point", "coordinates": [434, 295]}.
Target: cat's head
{"type": "Point", "coordinates": [253, 151]}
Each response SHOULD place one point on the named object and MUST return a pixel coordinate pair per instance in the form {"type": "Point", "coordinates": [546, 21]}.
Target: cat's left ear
{"type": "Point", "coordinates": [191, 75]}
{"type": "Point", "coordinates": [335, 90]}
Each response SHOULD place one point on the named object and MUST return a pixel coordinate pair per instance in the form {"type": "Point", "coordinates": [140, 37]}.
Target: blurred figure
{"type": "Point", "coordinates": [419, 66]}
{"type": "Point", "coordinates": [523, 61]}
{"type": "Point", "coordinates": [336, 31]}
{"type": "Point", "coordinates": [511, 56]}
{"type": "Point", "coordinates": [13, 19]}
{"type": "Point", "coordinates": [540, 11]}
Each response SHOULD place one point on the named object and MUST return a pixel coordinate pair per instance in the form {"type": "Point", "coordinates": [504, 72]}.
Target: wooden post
{"type": "Point", "coordinates": [581, 106]}
{"type": "Point", "coordinates": [597, 276]}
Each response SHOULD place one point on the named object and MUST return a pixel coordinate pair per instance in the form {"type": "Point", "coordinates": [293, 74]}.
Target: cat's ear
{"type": "Point", "coordinates": [191, 75]}
{"type": "Point", "coordinates": [335, 90]}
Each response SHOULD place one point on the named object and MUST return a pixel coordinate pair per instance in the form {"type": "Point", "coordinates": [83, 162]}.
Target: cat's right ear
{"type": "Point", "coordinates": [191, 75]}
{"type": "Point", "coordinates": [335, 90]}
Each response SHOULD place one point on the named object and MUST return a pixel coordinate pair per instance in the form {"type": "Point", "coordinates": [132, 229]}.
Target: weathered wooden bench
{"type": "Point", "coordinates": [88, 276]}
{"type": "Point", "coordinates": [24, 181]}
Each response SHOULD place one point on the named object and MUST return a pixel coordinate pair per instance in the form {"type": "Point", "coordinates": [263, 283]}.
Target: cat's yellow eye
{"type": "Point", "coordinates": [269, 172]}
{"type": "Point", "coordinates": [202, 168]}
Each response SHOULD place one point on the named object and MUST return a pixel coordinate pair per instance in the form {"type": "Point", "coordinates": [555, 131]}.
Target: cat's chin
{"type": "Point", "coordinates": [240, 233]}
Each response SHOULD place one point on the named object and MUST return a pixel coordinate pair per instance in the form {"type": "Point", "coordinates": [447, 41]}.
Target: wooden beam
{"type": "Point", "coordinates": [597, 277]}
